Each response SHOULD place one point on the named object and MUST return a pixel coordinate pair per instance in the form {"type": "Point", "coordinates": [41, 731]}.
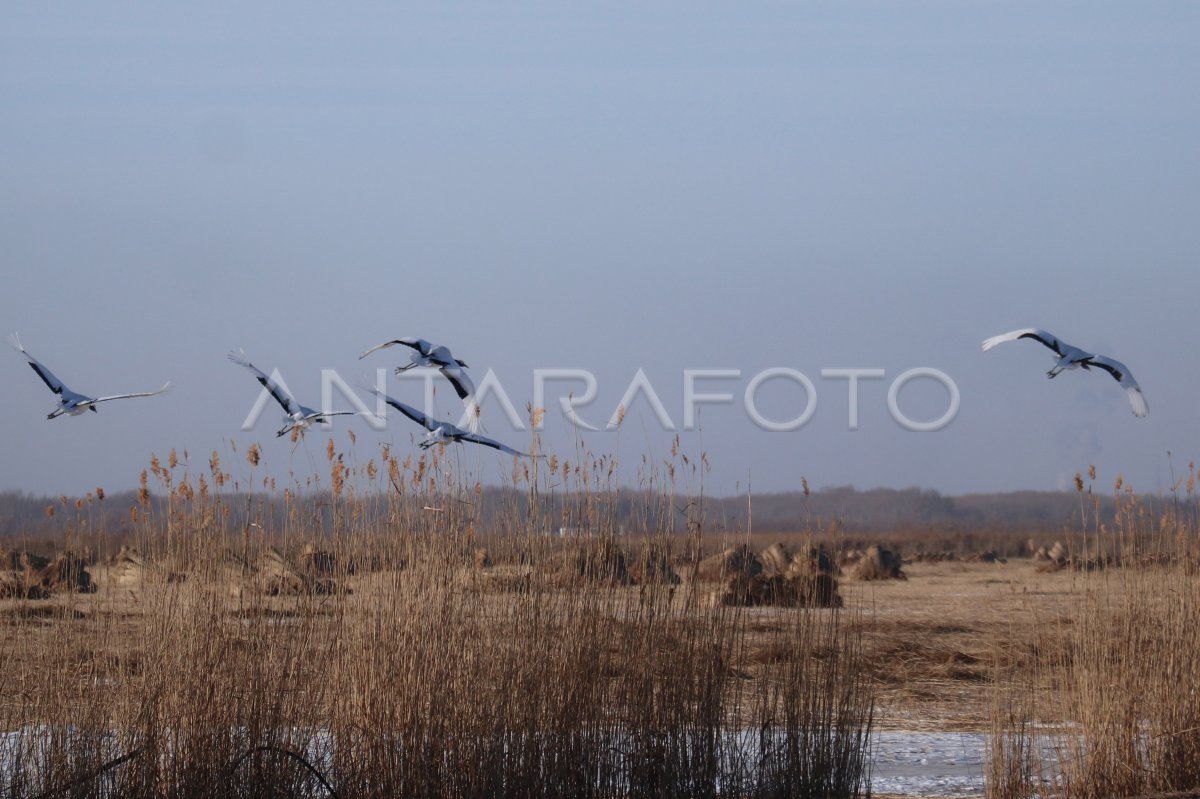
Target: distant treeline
{"type": "Point", "coordinates": [910, 509]}
{"type": "Point", "coordinates": [845, 508]}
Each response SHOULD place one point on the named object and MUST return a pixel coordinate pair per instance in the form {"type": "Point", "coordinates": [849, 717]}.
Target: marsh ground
{"type": "Point", "coordinates": [934, 639]}
{"type": "Point", "coordinates": [941, 646]}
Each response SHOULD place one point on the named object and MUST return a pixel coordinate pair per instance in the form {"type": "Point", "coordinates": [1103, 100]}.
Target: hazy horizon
{"type": "Point", "coordinates": [607, 188]}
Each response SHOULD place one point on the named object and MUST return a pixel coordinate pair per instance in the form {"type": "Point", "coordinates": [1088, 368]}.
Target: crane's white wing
{"type": "Point", "coordinates": [1037, 334]}
{"type": "Point", "coordinates": [407, 410]}
{"type": "Point", "coordinates": [465, 389]}
{"type": "Point", "coordinates": [419, 344]}
{"type": "Point", "coordinates": [318, 416]}
{"type": "Point", "coordinates": [441, 355]}
{"type": "Point", "coordinates": [56, 385]}
{"type": "Point", "coordinates": [165, 388]}
{"type": "Point", "coordinates": [277, 391]}
{"type": "Point", "coordinates": [475, 438]}
{"type": "Point", "coordinates": [1121, 373]}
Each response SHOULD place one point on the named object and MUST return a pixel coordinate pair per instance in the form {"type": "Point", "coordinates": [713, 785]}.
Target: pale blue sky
{"type": "Point", "coordinates": [608, 187]}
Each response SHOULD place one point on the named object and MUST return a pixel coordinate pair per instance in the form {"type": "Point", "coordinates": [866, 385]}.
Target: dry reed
{"type": "Point", "coordinates": [1119, 683]}
{"type": "Point", "coordinates": [415, 671]}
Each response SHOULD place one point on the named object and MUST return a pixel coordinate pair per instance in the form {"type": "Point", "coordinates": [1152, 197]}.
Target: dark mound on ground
{"type": "Point", "coordinates": [878, 563]}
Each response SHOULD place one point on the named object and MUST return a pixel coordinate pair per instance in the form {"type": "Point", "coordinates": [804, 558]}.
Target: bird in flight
{"type": "Point", "coordinates": [298, 416]}
{"type": "Point", "coordinates": [69, 402]}
{"type": "Point", "coordinates": [443, 432]}
{"type": "Point", "coordinates": [1074, 358]}
{"type": "Point", "coordinates": [439, 357]}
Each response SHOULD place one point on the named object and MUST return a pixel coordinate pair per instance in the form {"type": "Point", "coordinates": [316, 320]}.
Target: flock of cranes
{"type": "Point", "coordinates": [300, 417]}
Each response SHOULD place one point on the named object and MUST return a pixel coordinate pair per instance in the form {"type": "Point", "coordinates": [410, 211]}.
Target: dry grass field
{"type": "Point", "coordinates": [374, 640]}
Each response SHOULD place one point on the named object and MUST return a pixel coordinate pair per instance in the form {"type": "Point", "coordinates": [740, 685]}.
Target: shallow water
{"type": "Point", "coordinates": [925, 764]}
{"type": "Point", "coordinates": [928, 763]}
